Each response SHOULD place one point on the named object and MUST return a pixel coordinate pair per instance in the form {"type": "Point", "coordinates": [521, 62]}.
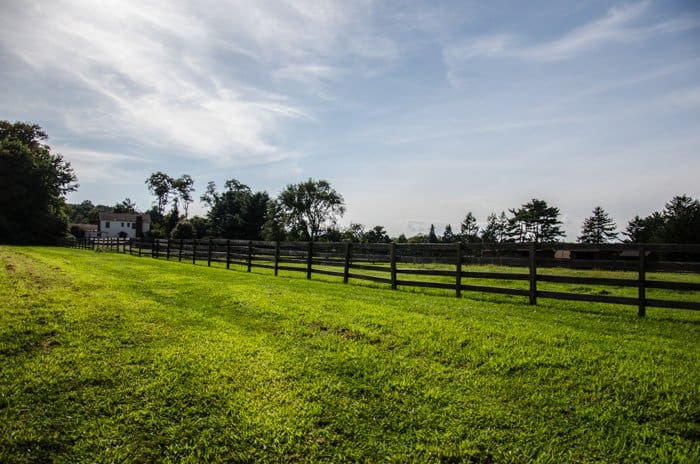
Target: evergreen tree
{"type": "Point", "coordinates": [469, 230]}
{"type": "Point", "coordinates": [535, 221]}
{"type": "Point", "coordinates": [432, 238]}
{"type": "Point", "coordinates": [447, 235]}
{"type": "Point", "coordinates": [489, 233]}
{"type": "Point", "coordinates": [598, 228]}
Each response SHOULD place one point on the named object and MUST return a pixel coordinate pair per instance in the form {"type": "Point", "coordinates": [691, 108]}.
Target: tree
{"type": "Point", "coordinates": [448, 236]}
{"type": "Point", "coordinates": [182, 188]}
{"type": "Point", "coordinates": [489, 234]}
{"type": "Point", "coordinates": [432, 238]}
{"type": "Point", "coordinates": [377, 234]}
{"type": "Point", "coordinates": [160, 184]}
{"type": "Point", "coordinates": [236, 212]}
{"type": "Point", "coordinates": [469, 229]}
{"type": "Point", "coordinates": [307, 208]}
{"type": "Point", "coordinates": [33, 183]}
{"type": "Point", "coordinates": [80, 213]}
{"type": "Point", "coordinates": [126, 206]}
{"type": "Point", "coordinates": [535, 221]}
{"type": "Point", "coordinates": [598, 228]}
{"type": "Point", "coordinates": [645, 230]}
{"type": "Point", "coordinates": [354, 233]}
{"type": "Point", "coordinates": [401, 239]}
{"type": "Point", "coordinates": [200, 226]}
{"type": "Point", "coordinates": [183, 230]}
{"type": "Point", "coordinates": [681, 220]}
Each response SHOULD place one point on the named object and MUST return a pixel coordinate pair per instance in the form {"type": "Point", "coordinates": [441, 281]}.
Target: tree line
{"type": "Point", "coordinates": [34, 182]}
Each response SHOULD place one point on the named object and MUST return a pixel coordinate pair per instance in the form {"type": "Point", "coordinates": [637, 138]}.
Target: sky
{"type": "Point", "coordinates": [416, 112]}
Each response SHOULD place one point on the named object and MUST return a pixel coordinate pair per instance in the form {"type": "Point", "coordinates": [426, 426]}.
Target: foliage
{"type": "Point", "coordinates": [111, 358]}
{"type": "Point", "coordinates": [448, 236]}
{"type": "Point", "coordinates": [469, 230]}
{"type": "Point", "coordinates": [183, 187]}
{"type": "Point", "coordinates": [125, 206]}
{"type": "Point", "coordinates": [305, 209]}
{"type": "Point", "coordinates": [376, 234]}
{"type": "Point", "coordinates": [201, 226]}
{"type": "Point", "coordinates": [183, 230]}
{"type": "Point", "coordinates": [535, 221]}
{"type": "Point", "coordinates": [236, 212]}
{"type": "Point", "coordinates": [496, 228]}
{"type": "Point", "coordinates": [679, 222]}
{"type": "Point", "coordinates": [160, 185]}
{"type": "Point", "coordinates": [33, 182]}
{"type": "Point", "coordinates": [598, 228]}
{"type": "Point", "coordinates": [401, 239]}
{"type": "Point", "coordinates": [354, 233]}
{"type": "Point", "coordinates": [432, 237]}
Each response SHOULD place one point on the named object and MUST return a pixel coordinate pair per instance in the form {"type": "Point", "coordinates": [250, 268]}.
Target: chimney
{"type": "Point", "coordinates": [139, 226]}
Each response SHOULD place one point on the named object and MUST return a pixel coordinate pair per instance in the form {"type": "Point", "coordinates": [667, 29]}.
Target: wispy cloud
{"type": "Point", "coordinates": [619, 25]}
{"type": "Point", "coordinates": [167, 72]}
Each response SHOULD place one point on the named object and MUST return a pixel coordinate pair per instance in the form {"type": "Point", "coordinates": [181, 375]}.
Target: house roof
{"type": "Point", "coordinates": [124, 217]}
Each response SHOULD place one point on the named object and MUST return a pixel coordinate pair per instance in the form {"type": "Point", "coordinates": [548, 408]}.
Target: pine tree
{"type": "Point", "coordinates": [469, 229]}
{"type": "Point", "coordinates": [598, 228]}
{"type": "Point", "coordinates": [448, 236]}
{"type": "Point", "coordinates": [535, 221]}
{"type": "Point", "coordinates": [432, 238]}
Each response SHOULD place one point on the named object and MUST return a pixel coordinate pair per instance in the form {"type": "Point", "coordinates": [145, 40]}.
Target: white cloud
{"type": "Point", "coordinates": [164, 73]}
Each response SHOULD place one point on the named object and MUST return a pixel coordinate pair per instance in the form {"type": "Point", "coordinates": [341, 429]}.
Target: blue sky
{"type": "Point", "coordinates": [416, 112]}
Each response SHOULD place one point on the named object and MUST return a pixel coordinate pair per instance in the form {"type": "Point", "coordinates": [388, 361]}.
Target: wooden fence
{"type": "Point", "coordinates": [386, 264]}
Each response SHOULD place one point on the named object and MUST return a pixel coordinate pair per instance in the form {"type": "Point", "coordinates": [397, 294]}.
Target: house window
{"type": "Point", "coordinates": [128, 225]}
{"type": "Point", "coordinates": [122, 225]}
{"type": "Point", "coordinates": [106, 224]}
{"type": "Point", "coordinates": [133, 225]}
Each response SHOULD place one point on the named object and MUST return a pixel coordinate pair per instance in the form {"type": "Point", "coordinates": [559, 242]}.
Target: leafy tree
{"type": "Point", "coordinates": [353, 233]}
{"type": "Point", "coordinates": [81, 213]}
{"type": "Point", "coordinates": [432, 238]}
{"type": "Point", "coordinates": [598, 228]}
{"type": "Point", "coordinates": [183, 230]}
{"type": "Point", "coordinates": [182, 188]}
{"type": "Point", "coordinates": [236, 212]}
{"type": "Point", "coordinates": [377, 234]}
{"type": "Point", "coordinates": [126, 206]}
{"type": "Point", "coordinates": [535, 221]}
{"type": "Point", "coordinates": [160, 184]}
{"type": "Point", "coordinates": [201, 226]}
{"type": "Point", "coordinates": [332, 234]}
{"type": "Point", "coordinates": [469, 229]}
{"type": "Point", "coordinates": [33, 182]}
{"type": "Point", "coordinates": [307, 208]}
{"type": "Point", "coordinates": [273, 229]}
{"type": "Point", "coordinates": [172, 219]}
{"type": "Point", "coordinates": [448, 236]}
{"type": "Point", "coordinates": [401, 239]}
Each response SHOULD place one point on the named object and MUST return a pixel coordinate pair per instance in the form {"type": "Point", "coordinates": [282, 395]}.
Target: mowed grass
{"type": "Point", "coordinates": [111, 358]}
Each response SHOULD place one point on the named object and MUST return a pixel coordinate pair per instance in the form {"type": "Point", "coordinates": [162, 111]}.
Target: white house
{"type": "Point", "coordinates": [124, 225]}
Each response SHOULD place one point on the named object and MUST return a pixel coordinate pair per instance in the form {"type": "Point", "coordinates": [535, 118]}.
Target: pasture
{"type": "Point", "coordinates": [107, 357]}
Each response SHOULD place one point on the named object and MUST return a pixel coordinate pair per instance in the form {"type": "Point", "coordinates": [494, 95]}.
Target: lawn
{"type": "Point", "coordinates": [112, 358]}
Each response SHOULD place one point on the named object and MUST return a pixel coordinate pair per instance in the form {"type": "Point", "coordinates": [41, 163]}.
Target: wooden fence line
{"type": "Point", "coordinates": [385, 258]}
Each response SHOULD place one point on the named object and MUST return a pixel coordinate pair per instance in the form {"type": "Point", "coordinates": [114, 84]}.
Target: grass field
{"type": "Point", "coordinates": [111, 358]}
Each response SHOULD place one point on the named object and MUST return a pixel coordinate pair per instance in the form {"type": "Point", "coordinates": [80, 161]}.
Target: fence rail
{"type": "Point", "coordinates": [380, 263]}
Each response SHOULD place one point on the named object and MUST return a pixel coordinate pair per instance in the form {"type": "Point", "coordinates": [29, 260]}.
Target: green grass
{"type": "Point", "coordinates": [112, 358]}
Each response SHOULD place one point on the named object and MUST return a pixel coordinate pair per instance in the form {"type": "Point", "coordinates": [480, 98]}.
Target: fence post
{"type": "Point", "coordinates": [179, 251]}
{"type": "Point", "coordinates": [139, 249]}
{"type": "Point", "coordinates": [309, 258]}
{"type": "Point", "coordinates": [392, 261]}
{"type": "Point", "coordinates": [458, 270]}
{"type": "Point", "coordinates": [277, 257]}
{"type": "Point", "coordinates": [533, 273]}
{"type": "Point", "coordinates": [131, 244]}
{"type": "Point", "coordinates": [642, 296]}
{"type": "Point", "coordinates": [250, 254]}
{"type": "Point", "coordinates": [228, 253]}
{"type": "Point", "coordinates": [346, 269]}
{"type": "Point", "coordinates": [167, 250]}
{"type": "Point", "coordinates": [194, 251]}
{"type": "Point", "coordinates": [154, 248]}
{"type": "Point", "coordinates": [209, 253]}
